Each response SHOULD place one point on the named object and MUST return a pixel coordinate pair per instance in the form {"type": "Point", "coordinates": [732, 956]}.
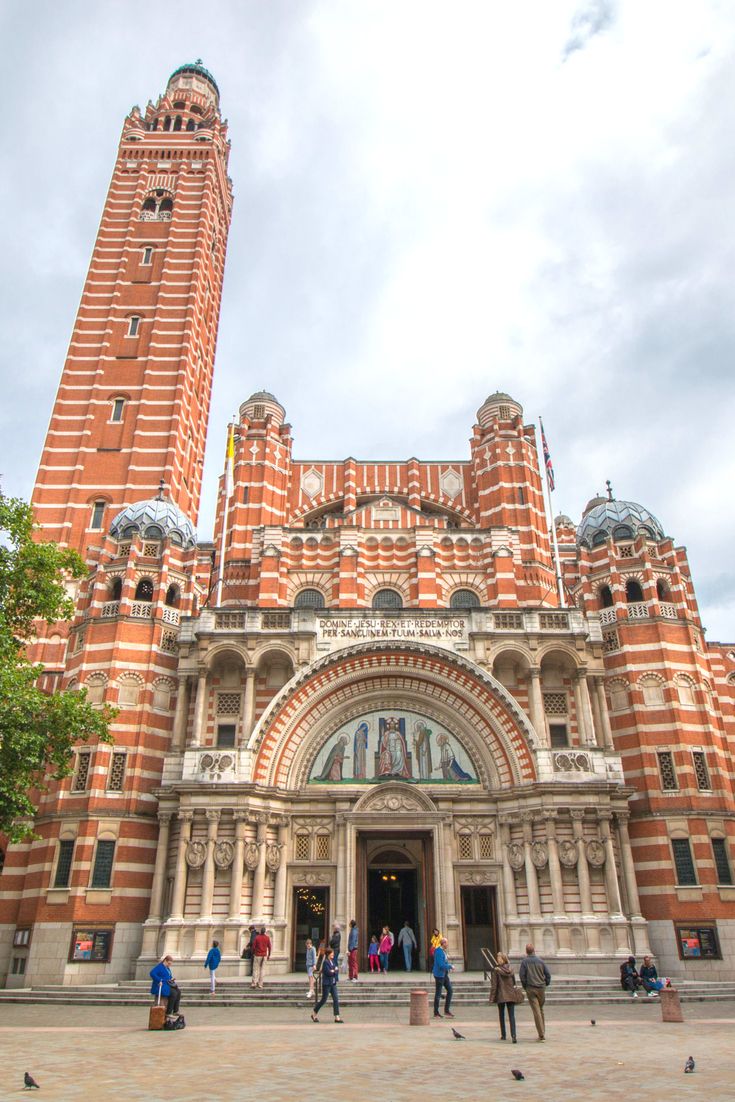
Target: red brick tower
{"type": "Point", "coordinates": [133, 403]}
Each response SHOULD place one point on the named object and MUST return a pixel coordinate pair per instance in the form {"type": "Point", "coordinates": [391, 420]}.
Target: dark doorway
{"type": "Point", "coordinates": [311, 911]}
{"type": "Point", "coordinates": [479, 926]}
{"type": "Point", "coordinates": [392, 898]}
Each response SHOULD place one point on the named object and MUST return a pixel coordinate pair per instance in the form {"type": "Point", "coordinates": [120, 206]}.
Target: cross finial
{"type": "Point", "coordinates": [161, 488]}
{"type": "Point", "coordinates": [609, 490]}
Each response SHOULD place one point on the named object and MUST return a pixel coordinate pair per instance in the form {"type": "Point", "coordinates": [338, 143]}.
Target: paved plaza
{"type": "Point", "coordinates": [278, 1055]}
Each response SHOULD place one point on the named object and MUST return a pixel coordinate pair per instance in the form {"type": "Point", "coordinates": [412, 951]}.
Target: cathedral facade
{"type": "Point", "coordinates": [374, 694]}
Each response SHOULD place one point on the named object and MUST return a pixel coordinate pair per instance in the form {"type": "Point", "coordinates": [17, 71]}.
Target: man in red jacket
{"type": "Point", "coordinates": [261, 953]}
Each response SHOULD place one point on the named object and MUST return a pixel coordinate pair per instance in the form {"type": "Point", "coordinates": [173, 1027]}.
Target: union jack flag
{"type": "Point", "coordinates": [547, 457]}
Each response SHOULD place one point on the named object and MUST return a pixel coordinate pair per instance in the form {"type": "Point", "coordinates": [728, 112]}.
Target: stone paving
{"type": "Point", "coordinates": [279, 1055]}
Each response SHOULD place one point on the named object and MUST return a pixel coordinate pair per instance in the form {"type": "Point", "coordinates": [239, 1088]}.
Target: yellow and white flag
{"type": "Point", "coordinates": [230, 463]}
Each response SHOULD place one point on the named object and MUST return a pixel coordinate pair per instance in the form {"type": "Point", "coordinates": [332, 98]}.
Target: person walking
{"type": "Point", "coordinates": [261, 953]}
{"type": "Point", "coordinates": [535, 977]}
{"type": "Point", "coordinates": [212, 963]}
{"type": "Point", "coordinates": [440, 971]}
{"type": "Point", "coordinates": [330, 977]}
{"type": "Point", "coordinates": [310, 966]}
{"type": "Point", "coordinates": [407, 941]}
{"type": "Point", "coordinates": [374, 954]}
{"type": "Point", "coordinates": [385, 946]}
{"type": "Point", "coordinates": [352, 946]}
{"type": "Point", "coordinates": [335, 943]}
{"type": "Point", "coordinates": [503, 994]}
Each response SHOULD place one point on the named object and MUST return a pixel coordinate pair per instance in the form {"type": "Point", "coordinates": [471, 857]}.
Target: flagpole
{"type": "Point", "coordinates": [552, 526]}
{"type": "Point", "coordinates": [228, 488]}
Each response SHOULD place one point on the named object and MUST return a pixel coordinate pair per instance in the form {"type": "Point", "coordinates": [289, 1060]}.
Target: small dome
{"type": "Point", "coordinates": [593, 503]}
{"type": "Point", "coordinates": [563, 521]}
{"type": "Point", "coordinates": [623, 520]}
{"type": "Point", "coordinates": [194, 69]}
{"type": "Point", "coordinates": [155, 518]}
{"type": "Point", "coordinates": [260, 405]}
{"type": "Point", "coordinates": [498, 406]}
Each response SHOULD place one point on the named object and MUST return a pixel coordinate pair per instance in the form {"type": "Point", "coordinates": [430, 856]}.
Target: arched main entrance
{"type": "Point", "coordinates": [395, 875]}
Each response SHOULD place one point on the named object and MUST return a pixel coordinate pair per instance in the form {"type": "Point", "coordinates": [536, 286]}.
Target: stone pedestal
{"type": "Point", "coordinates": [419, 1014]}
{"type": "Point", "coordinates": [670, 1005]}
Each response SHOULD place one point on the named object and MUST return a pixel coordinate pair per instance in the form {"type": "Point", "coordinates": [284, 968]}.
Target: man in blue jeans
{"type": "Point", "coordinates": [440, 972]}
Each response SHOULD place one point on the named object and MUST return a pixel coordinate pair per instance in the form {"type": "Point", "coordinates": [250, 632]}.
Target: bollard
{"type": "Point", "coordinates": [419, 1008]}
{"type": "Point", "coordinates": [670, 1005]}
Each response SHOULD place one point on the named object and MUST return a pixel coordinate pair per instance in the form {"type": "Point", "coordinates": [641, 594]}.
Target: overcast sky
{"type": "Point", "coordinates": [432, 201]}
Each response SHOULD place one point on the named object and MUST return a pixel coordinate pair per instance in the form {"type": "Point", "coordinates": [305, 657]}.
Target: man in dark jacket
{"type": "Point", "coordinates": [629, 978]}
{"type": "Point", "coordinates": [535, 977]}
{"type": "Point", "coordinates": [335, 943]}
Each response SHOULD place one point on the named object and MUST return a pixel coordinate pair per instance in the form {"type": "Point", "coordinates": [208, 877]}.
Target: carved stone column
{"type": "Point", "coordinates": [256, 910]}
{"type": "Point", "coordinates": [583, 708]}
{"type": "Point", "coordinates": [626, 854]}
{"type": "Point", "coordinates": [249, 705]}
{"type": "Point", "coordinates": [534, 904]}
{"type": "Point", "coordinates": [598, 685]}
{"type": "Point", "coordinates": [611, 875]}
{"type": "Point", "coordinates": [340, 876]}
{"type": "Point", "coordinates": [536, 705]}
{"type": "Point", "coordinates": [561, 920]}
{"type": "Point", "coordinates": [205, 908]}
{"type": "Point", "coordinates": [450, 906]}
{"type": "Point", "coordinates": [178, 738]}
{"type": "Point", "coordinates": [583, 876]}
{"type": "Point", "coordinates": [200, 709]}
{"type": "Point", "coordinates": [279, 891]}
{"type": "Point", "coordinates": [150, 930]}
{"type": "Point", "coordinates": [509, 880]}
{"type": "Point", "coordinates": [237, 866]}
{"type": "Point", "coordinates": [179, 893]}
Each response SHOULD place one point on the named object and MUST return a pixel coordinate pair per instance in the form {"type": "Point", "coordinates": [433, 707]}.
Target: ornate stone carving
{"type": "Point", "coordinates": [539, 854]}
{"type": "Point", "coordinates": [224, 854]}
{"type": "Point", "coordinates": [516, 856]}
{"type": "Point", "coordinates": [572, 761]}
{"type": "Point", "coordinates": [273, 857]}
{"type": "Point", "coordinates": [394, 801]}
{"type": "Point", "coordinates": [476, 878]}
{"type": "Point", "coordinates": [251, 855]}
{"type": "Point", "coordinates": [214, 764]}
{"type": "Point", "coordinates": [312, 878]}
{"type": "Point", "coordinates": [196, 854]}
{"type": "Point", "coordinates": [568, 854]}
{"type": "Point", "coordinates": [595, 852]}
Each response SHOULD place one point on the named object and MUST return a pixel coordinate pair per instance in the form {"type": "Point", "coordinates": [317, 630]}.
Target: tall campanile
{"type": "Point", "coordinates": [133, 403]}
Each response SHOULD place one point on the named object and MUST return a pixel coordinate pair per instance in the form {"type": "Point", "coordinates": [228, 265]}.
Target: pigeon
{"type": "Point", "coordinates": [592, 1021]}
{"type": "Point", "coordinates": [689, 1066]}
{"type": "Point", "coordinates": [517, 1074]}
{"type": "Point", "coordinates": [30, 1082]}
{"type": "Point", "coordinates": [457, 1035]}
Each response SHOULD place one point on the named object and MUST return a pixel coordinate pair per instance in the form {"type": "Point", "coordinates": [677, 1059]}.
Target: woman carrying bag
{"type": "Point", "coordinates": [505, 994]}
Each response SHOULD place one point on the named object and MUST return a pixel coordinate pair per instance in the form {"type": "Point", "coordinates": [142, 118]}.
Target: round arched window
{"type": "Point", "coordinates": [633, 591]}
{"type": "Point", "coordinates": [387, 598]}
{"type": "Point", "coordinates": [309, 598]}
{"type": "Point", "coordinates": [172, 596]}
{"type": "Point", "coordinates": [606, 597]}
{"type": "Point", "coordinates": [144, 590]}
{"type": "Point", "coordinates": [464, 598]}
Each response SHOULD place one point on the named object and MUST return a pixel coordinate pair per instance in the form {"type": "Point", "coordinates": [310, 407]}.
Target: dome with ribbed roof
{"type": "Point", "coordinates": [154, 519]}
{"type": "Point", "coordinates": [623, 520]}
{"type": "Point", "coordinates": [195, 68]}
{"type": "Point", "coordinates": [261, 405]}
{"type": "Point", "coordinates": [498, 407]}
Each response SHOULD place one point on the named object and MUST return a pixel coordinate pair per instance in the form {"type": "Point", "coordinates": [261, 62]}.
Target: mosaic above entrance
{"type": "Point", "coordinates": [383, 746]}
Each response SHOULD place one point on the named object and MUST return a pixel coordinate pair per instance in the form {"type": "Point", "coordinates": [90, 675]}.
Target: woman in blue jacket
{"type": "Point", "coordinates": [330, 976]}
{"type": "Point", "coordinates": [164, 981]}
{"type": "Point", "coordinates": [212, 963]}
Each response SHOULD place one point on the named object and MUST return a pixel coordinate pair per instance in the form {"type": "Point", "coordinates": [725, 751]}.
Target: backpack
{"type": "Point", "coordinates": [178, 1023]}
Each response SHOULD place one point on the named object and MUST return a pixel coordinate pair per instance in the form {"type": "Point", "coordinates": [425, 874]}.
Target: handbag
{"type": "Point", "coordinates": [519, 995]}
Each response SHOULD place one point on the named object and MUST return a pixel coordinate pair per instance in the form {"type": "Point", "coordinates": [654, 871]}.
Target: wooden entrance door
{"type": "Point", "coordinates": [479, 925]}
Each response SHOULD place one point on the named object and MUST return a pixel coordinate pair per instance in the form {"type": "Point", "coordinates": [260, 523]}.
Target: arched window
{"type": "Point", "coordinates": [149, 206]}
{"type": "Point", "coordinates": [98, 512]}
{"type": "Point", "coordinates": [599, 538]}
{"type": "Point", "coordinates": [191, 125]}
{"type": "Point", "coordinates": [605, 596]}
{"type": "Point", "coordinates": [118, 405]}
{"type": "Point", "coordinates": [172, 596]}
{"type": "Point", "coordinates": [144, 590]}
{"type": "Point", "coordinates": [177, 122]}
{"type": "Point", "coordinates": [147, 255]}
{"type": "Point", "coordinates": [387, 598]}
{"type": "Point", "coordinates": [116, 589]}
{"type": "Point", "coordinates": [167, 123]}
{"type": "Point", "coordinates": [662, 590]}
{"type": "Point", "coordinates": [154, 125]}
{"type": "Point", "coordinates": [633, 591]}
{"type": "Point", "coordinates": [133, 325]}
{"type": "Point", "coordinates": [165, 207]}
{"type": "Point", "coordinates": [464, 598]}
{"type": "Point", "coordinates": [309, 598]}
{"type": "Point", "coordinates": [622, 532]}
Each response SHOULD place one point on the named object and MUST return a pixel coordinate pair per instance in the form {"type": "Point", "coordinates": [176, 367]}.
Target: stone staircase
{"type": "Point", "coordinates": [471, 990]}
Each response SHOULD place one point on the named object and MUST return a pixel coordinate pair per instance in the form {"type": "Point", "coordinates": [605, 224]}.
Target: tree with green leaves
{"type": "Point", "coordinates": [38, 730]}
